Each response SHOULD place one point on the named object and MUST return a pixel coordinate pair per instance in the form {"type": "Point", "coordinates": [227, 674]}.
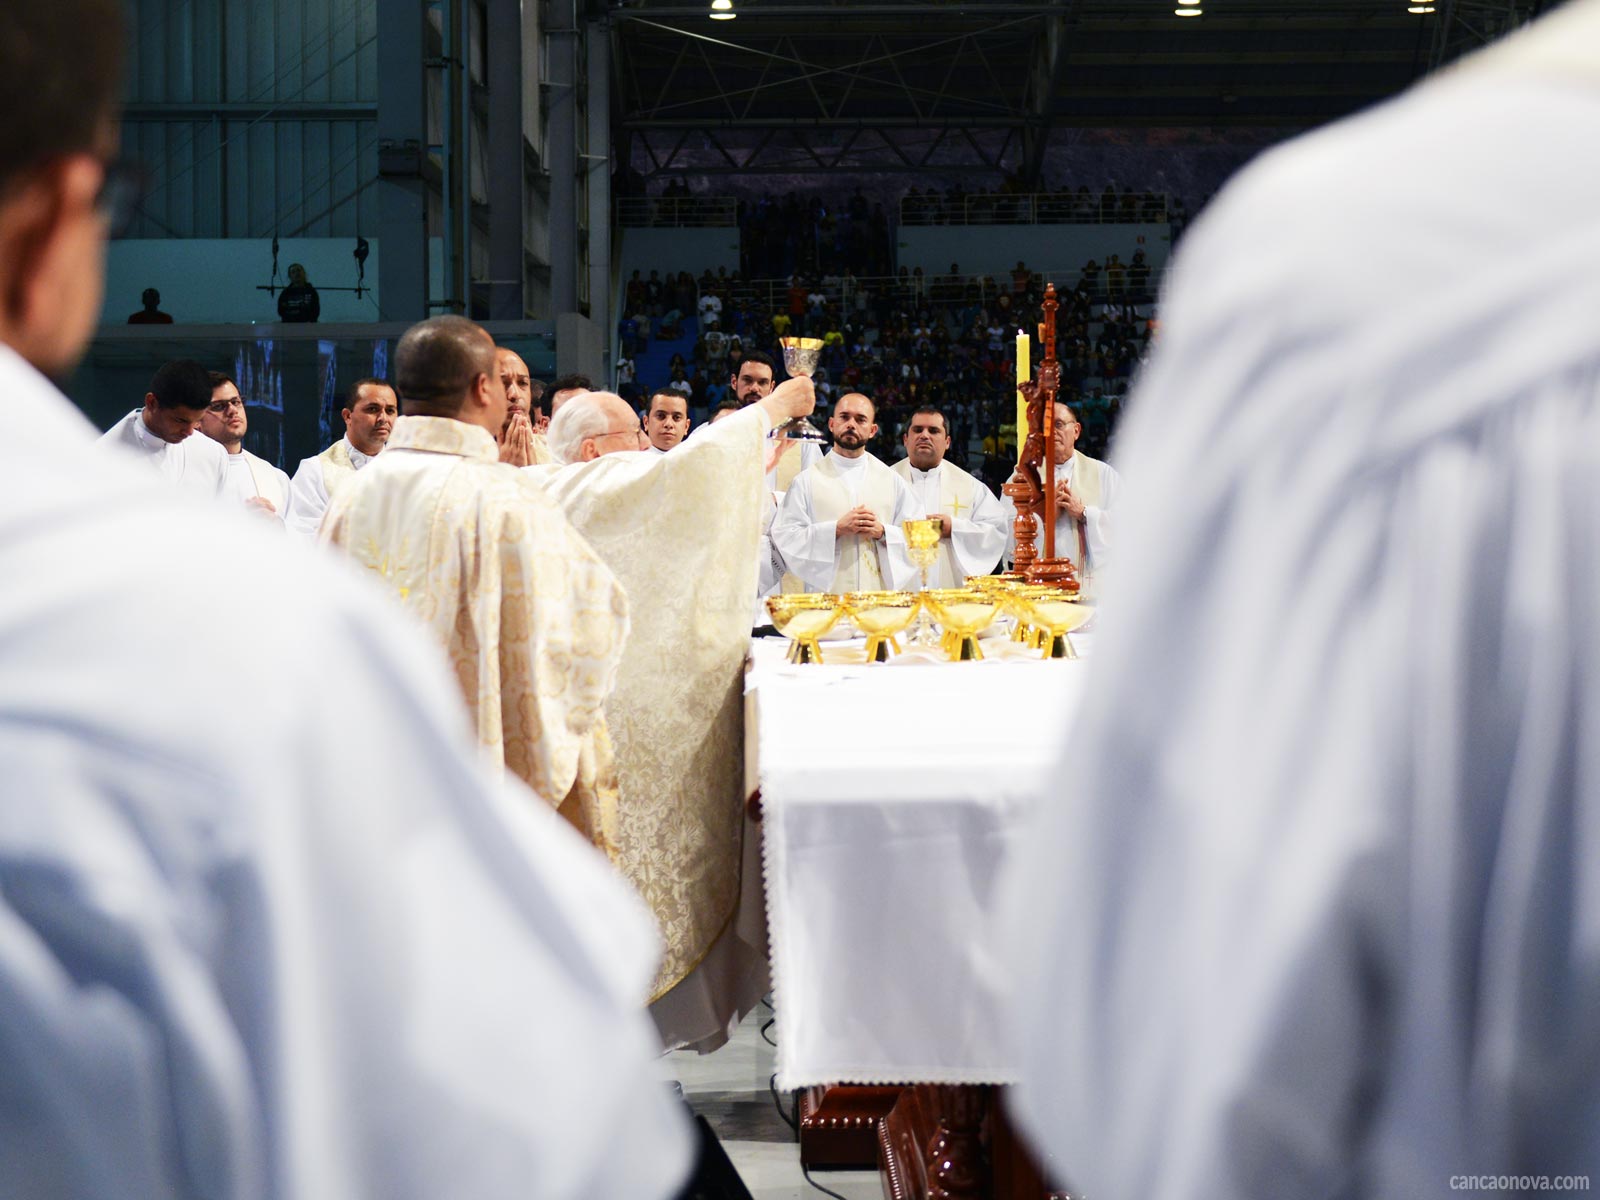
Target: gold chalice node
{"type": "Point", "coordinates": [881, 615]}
{"type": "Point", "coordinates": [804, 617]}
{"type": "Point", "coordinates": [800, 357]}
{"type": "Point", "coordinates": [922, 548]}
{"type": "Point", "coordinates": [964, 613]}
{"type": "Point", "coordinates": [1057, 615]}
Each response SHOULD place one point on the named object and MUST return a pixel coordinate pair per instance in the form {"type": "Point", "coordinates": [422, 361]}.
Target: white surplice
{"type": "Point", "coordinates": [978, 522]}
{"type": "Point", "coordinates": [197, 467]}
{"type": "Point", "coordinates": [315, 480]}
{"type": "Point", "coordinates": [250, 477]}
{"type": "Point", "coordinates": [1100, 488]}
{"type": "Point", "coordinates": [1320, 913]}
{"type": "Point", "coordinates": [805, 529]}
{"type": "Point", "coordinates": [267, 931]}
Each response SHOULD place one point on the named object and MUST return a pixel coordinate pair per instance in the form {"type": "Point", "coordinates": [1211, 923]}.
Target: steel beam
{"type": "Point", "coordinates": [507, 180]}
{"type": "Point", "coordinates": [402, 150]}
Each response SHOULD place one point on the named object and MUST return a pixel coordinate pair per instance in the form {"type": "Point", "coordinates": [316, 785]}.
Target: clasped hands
{"type": "Point", "coordinates": [1066, 500]}
{"type": "Point", "coordinates": [516, 446]}
{"type": "Point", "coordinates": [859, 522]}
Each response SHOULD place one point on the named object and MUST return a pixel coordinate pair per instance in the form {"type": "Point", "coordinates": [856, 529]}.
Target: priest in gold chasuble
{"type": "Point", "coordinates": [534, 623]}
{"type": "Point", "coordinates": [680, 531]}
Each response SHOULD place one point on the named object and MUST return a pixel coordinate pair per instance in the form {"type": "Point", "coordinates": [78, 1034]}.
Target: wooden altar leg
{"type": "Point", "coordinates": [839, 1124]}
{"type": "Point", "coordinates": [930, 1146]}
{"type": "Point", "coordinates": [957, 1169]}
{"type": "Point", "coordinates": [955, 1143]}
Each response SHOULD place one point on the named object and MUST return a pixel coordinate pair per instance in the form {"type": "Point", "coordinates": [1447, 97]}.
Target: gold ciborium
{"type": "Point", "coordinates": [922, 548]}
{"type": "Point", "coordinates": [803, 617]}
{"type": "Point", "coordinates": [1056, 615]}
{"type": "Point", "coordinates": [881, 615]}
{"type": "Point", "coordinates": [964, 613]}
{"type": "Point", "coordinates": [800, 357]}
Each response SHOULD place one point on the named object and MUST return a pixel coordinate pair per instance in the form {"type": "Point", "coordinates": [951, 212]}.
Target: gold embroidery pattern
{"type": "Point", "coordinates": [532, 620]}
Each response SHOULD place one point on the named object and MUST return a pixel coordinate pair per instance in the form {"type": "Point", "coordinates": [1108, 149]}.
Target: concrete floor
{"type": "Point", "coordinates": [731, 1089]}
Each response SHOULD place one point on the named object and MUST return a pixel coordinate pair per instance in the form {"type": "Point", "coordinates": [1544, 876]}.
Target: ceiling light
{"type": "Point", "coordinates": [1187, 12]}
{"type": "Point", "coordinates": [722, 10]}
{"type": "Point", "coordinates": [1419, 9]}
{"type": "Point", "coordinates": [1181, 3]}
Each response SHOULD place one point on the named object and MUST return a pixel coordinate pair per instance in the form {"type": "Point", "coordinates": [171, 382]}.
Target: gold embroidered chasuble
{"type": "Point", "coordinates": [337, 469]}
{"type": "Point", "coordinates": [681, 532]}
{"type": "Point", "coordinates": [533, 621]}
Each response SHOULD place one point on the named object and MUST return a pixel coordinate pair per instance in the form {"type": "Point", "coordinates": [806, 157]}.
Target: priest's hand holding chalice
{"type": "Point", "coordinates": [800, 358]}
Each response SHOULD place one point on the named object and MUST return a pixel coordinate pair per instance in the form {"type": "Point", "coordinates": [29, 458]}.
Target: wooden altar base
{"type": "Point", "coordinates": [839, 1124]}
{"type": "Point", "coordinates": [955, 1143]}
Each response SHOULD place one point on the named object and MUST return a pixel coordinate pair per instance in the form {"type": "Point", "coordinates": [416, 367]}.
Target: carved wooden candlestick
{"type": "Point", "coordinates": [1039, 449]}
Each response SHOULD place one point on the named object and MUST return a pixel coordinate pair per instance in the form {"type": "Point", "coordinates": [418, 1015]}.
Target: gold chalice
{"type": "Point", "coordinates": [881, 615]}
{"type": "Point", "coordinates": [964, 613]}
{"type": "Point", "coordinates": [922, 548]}
{"type": "Point", "coordinates": [800, 357]}
{"type": "Point", "coordinates": [1057, 615]}
{"type": "Point", "coordinates": [803, 617]}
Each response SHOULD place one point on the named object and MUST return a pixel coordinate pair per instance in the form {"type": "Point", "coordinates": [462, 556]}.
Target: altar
{"type": "Point", "coordinates": [892, 795]}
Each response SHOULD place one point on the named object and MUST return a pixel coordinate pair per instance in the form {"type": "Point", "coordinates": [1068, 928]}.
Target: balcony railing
{"type": "Point", "coordinates": [677, 212]}
{"type": "Point", "coordinates": [1041, 208]}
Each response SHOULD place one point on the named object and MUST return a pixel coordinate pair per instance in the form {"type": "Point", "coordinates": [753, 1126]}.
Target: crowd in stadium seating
{"type": "Point", "coordinates": [905, 340]}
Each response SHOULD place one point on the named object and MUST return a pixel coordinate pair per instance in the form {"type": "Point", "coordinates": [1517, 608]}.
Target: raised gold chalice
{"type": "Point", "coordinates": [881, 615]}
{"type": "Point", "coordinates": [922, 548]}
{"type": "Point", "coordinates": [803, 617]}
{"type": "Point", "coordinates": [1056, 616]}
{"type": "Point", "coordinates": [964, 613]}
{"type": "Point", "coordinates": [800, 357]}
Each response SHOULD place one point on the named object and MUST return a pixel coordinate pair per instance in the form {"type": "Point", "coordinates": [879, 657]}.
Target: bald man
{"type": "Point", "coordinates": [461, 538]}
{"type": "Point", "coordinates": [521, 444]}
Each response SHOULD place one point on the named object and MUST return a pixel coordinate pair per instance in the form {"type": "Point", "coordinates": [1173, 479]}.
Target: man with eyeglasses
{"type": "Point", "coordinates": [251, 479]}
{"type": "Point", "coordinates": [159, 434]}
{"type": "Point", "coordinates": [329, 955]}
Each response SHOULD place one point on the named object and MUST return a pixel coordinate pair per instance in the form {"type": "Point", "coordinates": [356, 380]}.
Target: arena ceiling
{"type": "Point", "coordinates": [1025, 67]}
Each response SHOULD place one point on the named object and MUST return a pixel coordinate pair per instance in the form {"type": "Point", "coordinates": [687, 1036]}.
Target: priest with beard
{"type": "Point", "coordinates": [681, 532]}
{"type": "Point", "coordinates": [838, 527]}
{"type": "Point", "coordinates": [973, 523]}
{"type": "Point", "coordinates": [532, 621]}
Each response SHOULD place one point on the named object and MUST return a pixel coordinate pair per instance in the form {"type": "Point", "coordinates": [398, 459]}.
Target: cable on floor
{"type": "Point", "coordinates": [825, 1191]}
{"type": "Point", "coordinates": [772, 1086]}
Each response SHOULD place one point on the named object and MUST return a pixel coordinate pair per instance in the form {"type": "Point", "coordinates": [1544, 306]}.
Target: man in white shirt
{"type": "Point", "coordinates": [252, 480]}
{"type": "Point", "coordinates": [1087, 494]}
{"type": "Point", "coordinates": [294, 963]}
{"type": "Point", "coordinates": [369, 417]}
{"type": "Point", "coordinates": [666, 422]}
{"type": "Point", "coordinates": [838, 528]}
{"type": "Point", "coordinates": [972, 520]}
{"type": "Point", "coordinates": [1314, 908]}
{"type": "Point", "coordinates": [160, 433]}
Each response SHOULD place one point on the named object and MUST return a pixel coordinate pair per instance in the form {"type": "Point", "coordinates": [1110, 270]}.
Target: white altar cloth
{"type": "Point", "coordinates": [891, 797]}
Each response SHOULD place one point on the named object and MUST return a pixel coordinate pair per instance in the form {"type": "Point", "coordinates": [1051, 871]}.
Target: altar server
{"type": "Point", "coordinates": [1317, 911]}
{"type": "Point", "coordinates": [973, 523]}
{"type": "Point", "coordinates": [160, 435]}
{"type": "Point", "coordinates": [369, 417]}
{"type": "Point", "coordinates": [1088, 493]}
{"type": "Point", "coordinates": [323, 957]}
{"type": "Point", "coordinates": [252, 480]}
{"type": "Point", "coordinates": [838, 528]}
